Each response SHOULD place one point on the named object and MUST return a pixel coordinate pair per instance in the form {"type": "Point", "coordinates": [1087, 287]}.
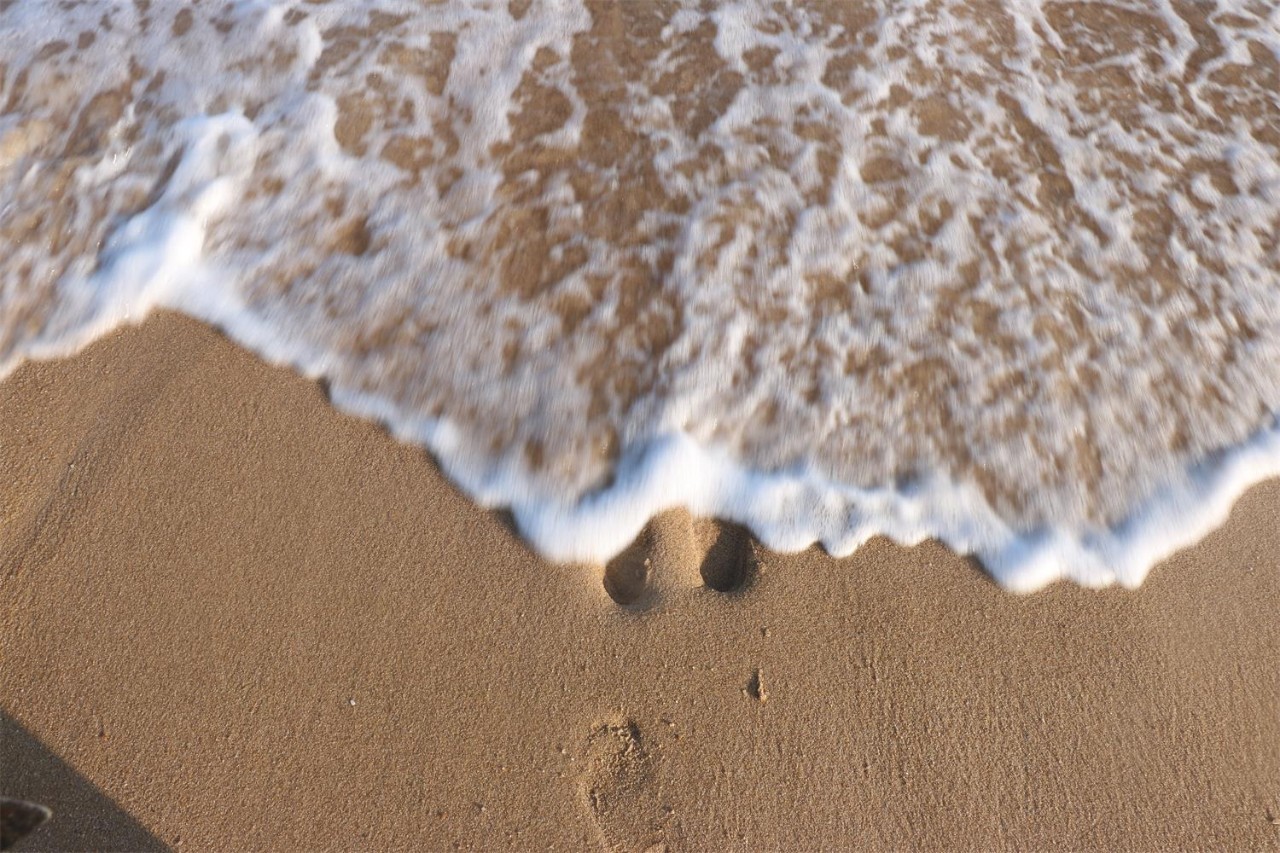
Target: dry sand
{"type": "Point", "coordinates": [234, 618]}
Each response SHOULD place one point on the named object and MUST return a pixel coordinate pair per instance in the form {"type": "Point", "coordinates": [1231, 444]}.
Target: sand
{"type": "Point", "coordinates": [234, 618]}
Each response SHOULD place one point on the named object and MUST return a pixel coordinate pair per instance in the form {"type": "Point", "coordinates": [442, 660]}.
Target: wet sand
{"type": "Point", "coordinates": [233, 618]}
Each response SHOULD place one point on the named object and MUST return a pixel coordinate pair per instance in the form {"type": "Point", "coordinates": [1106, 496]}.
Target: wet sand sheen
{"type": "Point", "coordinates": [251, 621]}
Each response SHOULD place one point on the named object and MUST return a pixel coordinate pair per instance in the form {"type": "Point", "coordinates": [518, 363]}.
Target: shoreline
{"type": "Point", "coordinates": [221, 594]}
{"type": "Point", "coordinates": [671, 473]}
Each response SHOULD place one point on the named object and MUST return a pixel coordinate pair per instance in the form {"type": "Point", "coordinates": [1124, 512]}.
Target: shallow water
{"type": "Point", "coordinates": [1005, 272]}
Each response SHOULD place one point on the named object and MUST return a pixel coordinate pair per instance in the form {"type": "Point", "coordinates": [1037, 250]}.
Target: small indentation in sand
{"type": "Point", "coordinates": [627, 577]}
{"type": "Point", "coordinates": [755, 687]}
{"type": "Point", "coordinates": [730, 563]}
{"type": "Point", "coordinates": [619, 786]}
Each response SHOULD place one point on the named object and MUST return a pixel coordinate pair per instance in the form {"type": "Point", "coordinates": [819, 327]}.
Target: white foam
{"type": "Point", "coordinates": [155, 257]}
{"type": "Point", "coordinates": [1028, 304]}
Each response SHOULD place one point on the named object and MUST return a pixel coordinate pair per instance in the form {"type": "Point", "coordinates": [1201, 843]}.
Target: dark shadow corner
{"type": "Point", "coordinates": [84, 818]}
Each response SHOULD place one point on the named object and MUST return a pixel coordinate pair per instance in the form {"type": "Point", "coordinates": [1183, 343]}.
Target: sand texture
{"type": "Point", "coordinates": [233, 618]}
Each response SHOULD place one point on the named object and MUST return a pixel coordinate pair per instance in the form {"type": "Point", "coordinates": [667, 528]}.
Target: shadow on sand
{"type": "Point", "coordinates": [84, 818]}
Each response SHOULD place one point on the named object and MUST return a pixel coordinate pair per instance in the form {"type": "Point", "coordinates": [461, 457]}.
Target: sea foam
{"type": "Point", "coordinates": [1006, 274]}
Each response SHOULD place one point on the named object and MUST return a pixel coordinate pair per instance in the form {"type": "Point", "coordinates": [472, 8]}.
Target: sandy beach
{"type": "Point", "coordinates": [1001, 273]}
{"type": "Point", "coordinates": [234, 618]}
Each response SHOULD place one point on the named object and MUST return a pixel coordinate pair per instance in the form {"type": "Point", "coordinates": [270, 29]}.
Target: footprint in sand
{"type": "Point", "coordinates": [619, 786]}
{"type": "Point", "coordinates": [725, 556]}
{"type": "Point", "coordinates": [730, 562]}
{"type": "Point", "coordinates": [628, 576]}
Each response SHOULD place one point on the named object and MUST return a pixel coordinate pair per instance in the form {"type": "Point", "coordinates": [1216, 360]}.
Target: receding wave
{"type": "Point", "coordinates": [1005, 272]}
